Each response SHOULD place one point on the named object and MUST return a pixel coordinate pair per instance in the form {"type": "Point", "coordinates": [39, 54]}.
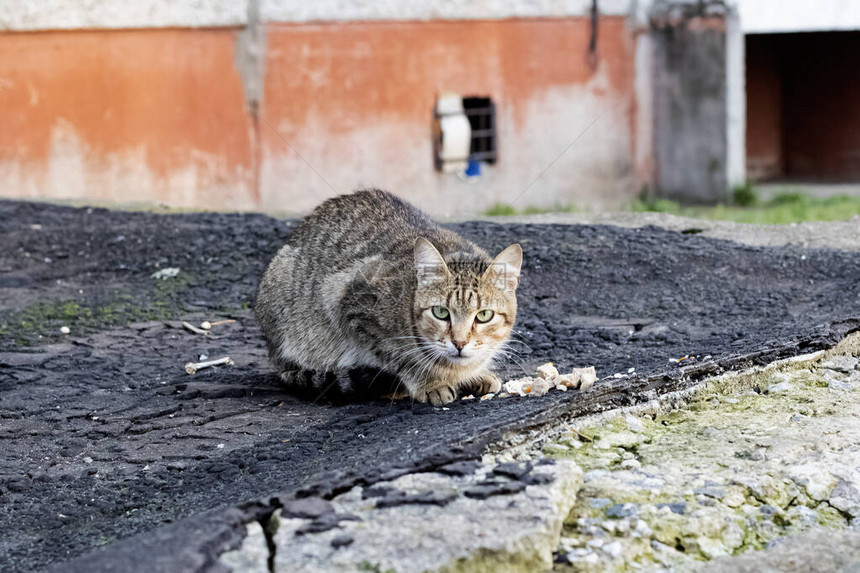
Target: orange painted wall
{"type": "Point", "coordinates": [355, 72]}
{"type": "Point", "coordinates": [159, 115]}
{"type": "Point", "coordinates": [166, 104]}
{"type": "Point", "coordinates": [380, 79]}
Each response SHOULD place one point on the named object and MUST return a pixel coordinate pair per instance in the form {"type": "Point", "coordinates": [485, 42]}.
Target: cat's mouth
{"type": "Point", "coordinates": [460, 359]}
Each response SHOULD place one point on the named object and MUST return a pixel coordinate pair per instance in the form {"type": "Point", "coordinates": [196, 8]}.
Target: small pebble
{"type": "Point", "coordinates": [341, 541]}
{"type": "Point", "coordinates": [844, 364]}
{"type": "Point", "coordinates": [613, 549]}
{"type": "Point", "coordinates": [631, 464]}
{"type": "Point", "coordinates": [65, 330]}
{"type": "Point", "coordinates": [777, 388]}
{"type": "Point", "coordinates": [839, 385]}
{"type": "Point", "coordinates": [165, 274]}
{"type": "Point", "coordinates": [620, 510]}
{"type": "Point", "coordinates": [555, 449]}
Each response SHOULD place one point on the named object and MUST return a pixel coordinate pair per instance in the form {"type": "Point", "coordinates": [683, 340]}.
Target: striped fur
{"type": "Point", "coordinates": [354, 290]}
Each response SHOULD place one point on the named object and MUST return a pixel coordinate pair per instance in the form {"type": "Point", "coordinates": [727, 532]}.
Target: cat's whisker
{"type": "Point", "coordinates": [511, 355]}
{"type": "Point", "coordinates": [415, 351]}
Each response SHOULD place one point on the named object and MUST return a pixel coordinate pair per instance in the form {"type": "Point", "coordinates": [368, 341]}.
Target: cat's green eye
{"type": "Point", "coordinates": [485, 315]}
{"type": "Point", "coordinates": [440, 312]}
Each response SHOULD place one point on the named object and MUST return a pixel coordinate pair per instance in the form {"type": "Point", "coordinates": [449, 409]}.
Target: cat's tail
{"type": "Point", "coordinates": [352, 384]}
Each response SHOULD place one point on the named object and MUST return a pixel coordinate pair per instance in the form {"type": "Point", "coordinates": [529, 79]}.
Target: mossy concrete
{"type": "Point", "coordinates": [749, 460]}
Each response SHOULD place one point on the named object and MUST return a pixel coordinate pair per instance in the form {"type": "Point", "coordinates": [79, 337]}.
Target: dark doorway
{"type": "Point", "coordinates": [803, 107]}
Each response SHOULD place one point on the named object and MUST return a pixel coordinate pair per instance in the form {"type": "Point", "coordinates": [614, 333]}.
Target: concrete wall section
{"type": "Point", "coordinates": [735, 101]}
{"type": "Point", "coordinates": [393, 10]}
{"type": "Point", "coordinates": [777, 16]}
{"type": "Point", "coordinates": [644, 128]}
{"type": "Point", "coordinates": [107, 14]}
{"type": "Point", "coordinates": [355, 100]}
{"type": "Point", "coordinates": [135, 115]}
{"type": "Point", "coordinates": [690, 105]}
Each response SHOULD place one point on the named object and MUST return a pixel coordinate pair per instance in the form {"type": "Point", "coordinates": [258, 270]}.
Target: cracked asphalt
{"type": "Point", "coordinates": [115, 459]}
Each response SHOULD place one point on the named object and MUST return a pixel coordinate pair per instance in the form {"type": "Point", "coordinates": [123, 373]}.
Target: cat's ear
{"type": "Point", "coordinates": [505, 268]}
{"type": "Point", "coordinates": [429, 264]}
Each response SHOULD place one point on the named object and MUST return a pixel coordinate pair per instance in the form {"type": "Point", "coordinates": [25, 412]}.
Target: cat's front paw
{"type": "Point", "coordinates": [437, 396]}
{"type": "Point", "coordinates": [487, 383]}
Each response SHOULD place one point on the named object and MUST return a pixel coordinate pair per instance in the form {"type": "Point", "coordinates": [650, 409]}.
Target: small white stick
{"type": "Point", "coordinates": [193, 367]}
{"type": "Point", "coordinates": [194, 329]}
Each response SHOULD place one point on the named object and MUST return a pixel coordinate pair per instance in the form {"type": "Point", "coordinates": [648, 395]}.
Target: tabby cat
{"type": "Point", "coordinates": [368, 281]}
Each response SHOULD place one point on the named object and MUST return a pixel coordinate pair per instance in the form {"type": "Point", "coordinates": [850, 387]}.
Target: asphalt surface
{"type": "Point", "coordinates": [115, 459]}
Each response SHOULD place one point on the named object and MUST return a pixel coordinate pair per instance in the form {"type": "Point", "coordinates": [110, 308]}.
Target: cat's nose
{"type": "Point", "coordinates": [459, 344]}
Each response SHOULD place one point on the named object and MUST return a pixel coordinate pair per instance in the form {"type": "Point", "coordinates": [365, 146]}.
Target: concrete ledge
{"type": "Point", "coordinates": [466, 518]}
{"type": "Point", "coordinates": [64, 15]}
{"type": "Point", "coordinates": [843, 235]}
{"type": "Point", "coordinates": [344, 10]}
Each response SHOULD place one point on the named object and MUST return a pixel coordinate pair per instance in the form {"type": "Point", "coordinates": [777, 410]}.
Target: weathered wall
{"type": "Point", "coordinates": [356, 99]}
{"type": "Point", "coordinates": [780, 16]}
{"type": "Point", "coordinates": [202, 116]}
{"type": "Point", "coordinates": [107, 14]}
{"type": "Point", "coordinates": [110, 14]}
{"type": "Point", "coordinates": [690, 104]}
{"type": "Point", "coordinates": [138, 115]}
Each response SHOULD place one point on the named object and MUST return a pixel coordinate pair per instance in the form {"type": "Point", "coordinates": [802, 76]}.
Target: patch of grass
{"type": "Point", "coordinates": [746, 207]}
{"type": "Point", "coordinates": [782, 209]}
{"type": "Point", "coordinates": [505, 210]}
{"type": "Point", "coordinates": [656, 206]}
{"type": "Point", "coordinates": [41, 322]}
{"type": "Point", "coordinates": [745, 195]}
{"type": "Point", "coordinates": [500, 210]}
{"type": "Point", "coordinates": [45, 319]}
